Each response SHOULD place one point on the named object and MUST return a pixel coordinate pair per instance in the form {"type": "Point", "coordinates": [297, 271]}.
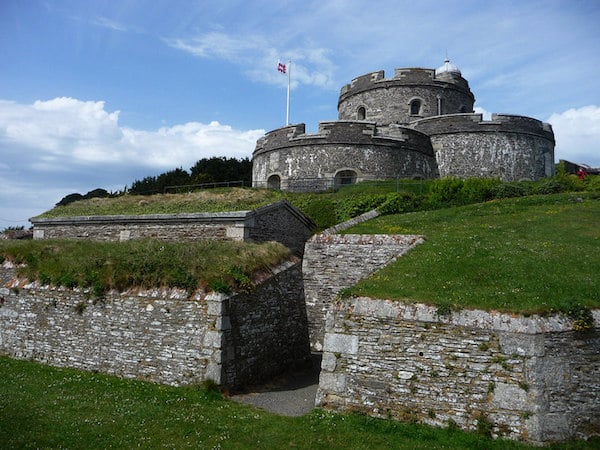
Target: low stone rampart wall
{"type": "Point", "coordinates": [160, 335]}
{"type": "Point", "coordinates": [168, 227]}
{"type": "Point", "coordinates": [279, 221]}
{"type": "Point", "coordinates": [530, 378]}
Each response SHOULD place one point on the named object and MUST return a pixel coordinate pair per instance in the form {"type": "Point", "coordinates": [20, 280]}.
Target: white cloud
{"type": "Point", "coordinates": [487, 115]}
{"type": "Point", "coordinates": [311, 65]}
{"type": "Point", "coordinates": [577, 133]}
{"type": "Point", "coordinates": [64, 145]}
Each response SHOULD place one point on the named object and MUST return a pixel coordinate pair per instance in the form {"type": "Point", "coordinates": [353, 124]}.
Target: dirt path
{"type": "Point", "coordinates": [291, 395]}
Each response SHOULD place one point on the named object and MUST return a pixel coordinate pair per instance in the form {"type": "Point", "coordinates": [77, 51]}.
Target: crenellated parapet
{"type": "Point", "coordinates": [411, 94]}
{"type": "Point", "coordinates": [475, 123]}
{"type": "Point", "coordinates": [342, 132]}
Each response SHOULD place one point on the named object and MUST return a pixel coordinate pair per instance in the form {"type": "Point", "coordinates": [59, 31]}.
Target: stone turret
{"type": "Point", "coordinates": [412, 94]}
{"type": "Point", "coordinates": [509, 147]}
{"type": "Point", "coordinates": [288, 158]}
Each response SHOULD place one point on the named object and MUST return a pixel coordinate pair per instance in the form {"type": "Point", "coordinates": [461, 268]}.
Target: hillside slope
{"type": "Point", "coordinates": [530, 254]}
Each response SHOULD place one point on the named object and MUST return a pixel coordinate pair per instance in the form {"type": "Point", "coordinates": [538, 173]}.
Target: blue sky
{"type": "Point", "coordinates": [103, 93]}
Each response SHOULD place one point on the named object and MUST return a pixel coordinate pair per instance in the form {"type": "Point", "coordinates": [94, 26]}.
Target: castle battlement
{"type": "Point", "coordinates": [408, 76]}
{"type": "Point", "coordinates": [341, 132]}
{"type": "Point", "coordinates": [475, 123]}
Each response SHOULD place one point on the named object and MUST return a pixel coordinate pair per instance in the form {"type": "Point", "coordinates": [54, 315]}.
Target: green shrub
{"type": "Point", "coordinates": [513, 189]}
{"type": "Point", "coordinates": [592, 183]}
{"type": "Point", "coordinates": [349, 207]}
{"type": "Point", "coordinates": [484, 426]}
{"type": "Point", "coordinates": [476, 190]}
{"type": "Point", "coordinates": [242, 280]}
{"type": "Point", "coordinates": [570, 182]}
{"type": "Point", "coordinates": [399, 202]}
{"type": "Point", "coordinates": [219, 286]}
{"type": "Point", "coordinates": [552, 186]}
{"type": "Point", "coordinates": [444, 191]}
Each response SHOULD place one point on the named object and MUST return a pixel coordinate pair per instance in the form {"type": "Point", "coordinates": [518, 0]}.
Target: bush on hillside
{"type": "Point", "coordinates": [399, 202]}
{"type": "Point", "coordinates": [475, 190]}
{"type": "Point", "coordinates": [593, 183]}
{"type": "Point", "coordinates": [444, 191]}
{"type": "Point", "coordinates": [513, 189]}
{"type": "Point", "coordinates": [349, 207]}
{"type": "Point", "coordinates": [552, 186]}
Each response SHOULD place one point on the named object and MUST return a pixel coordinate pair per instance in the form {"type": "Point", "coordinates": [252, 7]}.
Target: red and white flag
{"type": "Point", "coordinates": [281, 67]}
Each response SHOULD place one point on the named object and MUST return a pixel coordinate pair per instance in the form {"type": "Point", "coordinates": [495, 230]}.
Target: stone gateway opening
{"type": "Point", "coordinates": [345, 177]}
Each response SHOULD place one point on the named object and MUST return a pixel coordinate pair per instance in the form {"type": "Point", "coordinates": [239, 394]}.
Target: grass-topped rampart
{"type": "Point", "coordinates": [535, 252]}
{"type": "Point", "coordinates": [526, 255]}
{"type": "Point", "coordinates": [210, 200]}
{"type": "Point", "coordinates": [101, 266]}
{"type": "Point", "coordinates": [330, 208]}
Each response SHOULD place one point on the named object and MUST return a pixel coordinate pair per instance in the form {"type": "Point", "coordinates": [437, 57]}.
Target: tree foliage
{"type": "Point", "coordinates": [206, 170]}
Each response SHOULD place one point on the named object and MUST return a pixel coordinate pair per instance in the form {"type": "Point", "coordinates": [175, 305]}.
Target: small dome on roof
{"type": "Point", "coordinates": [448, 67]}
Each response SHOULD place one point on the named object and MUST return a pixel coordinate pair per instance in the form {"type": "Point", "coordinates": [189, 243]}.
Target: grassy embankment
{"type": "Point", "coordinates": [45, 407]}
{"type": "Point", "coordinates": [102, 266]}
{"type": "Point", "coordinates": [535, 253]}
{"type": "Point", "coordinates": [530, 254]}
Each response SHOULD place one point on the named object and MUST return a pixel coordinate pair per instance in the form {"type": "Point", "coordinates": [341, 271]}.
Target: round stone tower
{"type": "Point", "coordinates": [412, 94]}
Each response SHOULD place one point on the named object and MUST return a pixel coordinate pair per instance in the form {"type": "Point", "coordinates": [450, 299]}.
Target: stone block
{"type": "Point", "coordinates": [340, 343]}
{"type": "Point", "coordinates": [522, 344]}
{"type": "Point", "coordinates": [214, 372]}
{"type": "Point", "coordinates": [335, 382]}
{"type": "Point", "coordinates": [511, 397]}
{"type": "Point", "coordinates": [329, 362]}
{"type": "Point", "coordinates": [213, 339]}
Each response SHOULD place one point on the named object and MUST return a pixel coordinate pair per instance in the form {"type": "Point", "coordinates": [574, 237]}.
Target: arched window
{"type": "Point", "coordinates": [274, 182]}
{"type": "Point", "coordinates": [361, 113]}
{"type": "Point", "coordinates": [345, 177]}
{"type": "Point", "coordinates": [415, 107]}
{"type": "Point", "coordinates": [462, 109]}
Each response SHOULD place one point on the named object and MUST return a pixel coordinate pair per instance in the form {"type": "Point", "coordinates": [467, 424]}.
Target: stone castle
{"type": "Point", "coordinates": [418, 124]}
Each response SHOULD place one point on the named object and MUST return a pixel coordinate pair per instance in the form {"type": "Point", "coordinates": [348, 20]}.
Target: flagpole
{"type": "Point", "coordinates": [287, 109]}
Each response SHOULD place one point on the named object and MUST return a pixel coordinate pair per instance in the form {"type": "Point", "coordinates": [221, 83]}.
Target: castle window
{"type": "Point", "coordinates": [345, 177]}
{"type": "Point", "coordinates": [274, 182]}
{"type": "Point", "coordinates": [361, 114]}
{"type": "Point", "coordinates": [415, 107]}
{"type": "Point", "coordinates": [463, 109]}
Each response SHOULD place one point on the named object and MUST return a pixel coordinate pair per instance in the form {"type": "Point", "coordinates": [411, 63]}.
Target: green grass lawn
{"type": "Point", "coordinates": [45, 407]}
{"type": "Point", "coordinates": [529, 254]}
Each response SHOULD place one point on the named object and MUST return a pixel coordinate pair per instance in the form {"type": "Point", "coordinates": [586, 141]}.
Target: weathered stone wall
{"type": "Point", "coordinates": [512, 148]}
{"type": "Point", "coordinates": [161, 336]}
{"type": "Point", "coordinates": [334, 262]}
{"type": "Point", "coordinates": [530, 378]}
{"type": "Point", "coordinates": [167, 227]}
{"type": "Point", "coordinates": [387, 101]}
{"type": "Point", "coordinates": [269, 332]}
{"type": "Point", "coordinates": [338, 146]}
{"type": "Point", "coordinates": [282, 224]}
